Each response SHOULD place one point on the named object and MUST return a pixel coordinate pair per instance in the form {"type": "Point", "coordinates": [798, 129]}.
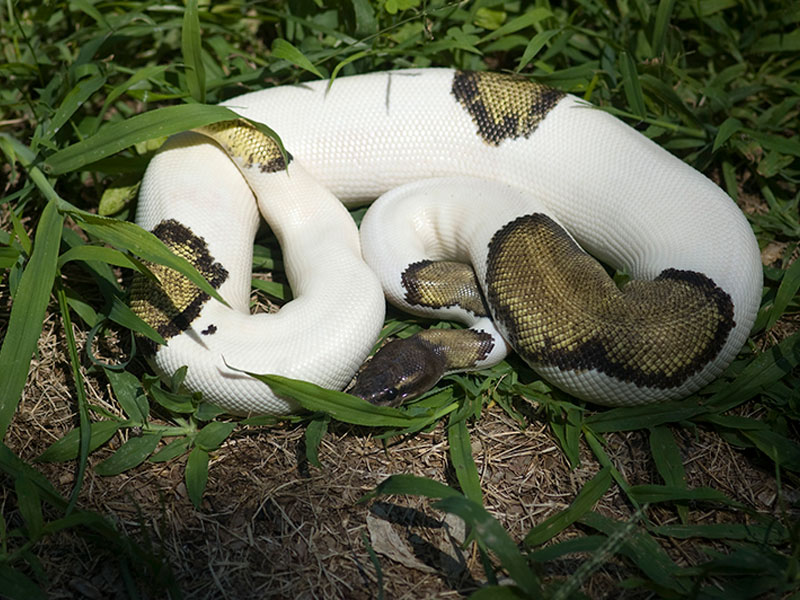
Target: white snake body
{"type": "Point", "coordinates": [620, 196]}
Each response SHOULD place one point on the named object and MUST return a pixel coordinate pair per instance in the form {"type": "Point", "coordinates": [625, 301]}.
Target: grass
{"type": "Point", "coordinates": [90, 90]}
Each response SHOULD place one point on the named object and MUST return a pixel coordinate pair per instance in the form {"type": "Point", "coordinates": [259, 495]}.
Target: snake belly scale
{"type": "Point", "coordinates": [472, 167]}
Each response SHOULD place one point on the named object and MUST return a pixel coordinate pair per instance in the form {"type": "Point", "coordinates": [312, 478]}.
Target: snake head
{"type": "Point", "coordinates": [400, 371]}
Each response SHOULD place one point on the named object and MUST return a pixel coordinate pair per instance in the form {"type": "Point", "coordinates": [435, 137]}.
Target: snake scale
{"type": "Point", "coordinates": [519, 180]}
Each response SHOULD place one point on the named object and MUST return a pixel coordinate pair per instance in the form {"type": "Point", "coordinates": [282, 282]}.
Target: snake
{"type": "Point", "coordinates": [502, 202]}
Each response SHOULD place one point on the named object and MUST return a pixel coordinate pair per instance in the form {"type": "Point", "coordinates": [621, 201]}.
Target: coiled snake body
{"type": "Point", "coordinates": [512, 176]}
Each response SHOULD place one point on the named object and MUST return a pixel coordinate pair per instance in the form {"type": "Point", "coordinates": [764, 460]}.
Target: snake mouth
{"type": "Point", "coordinates": [403, 370]}
{"type": "Point", "coordinates": [400, 371]}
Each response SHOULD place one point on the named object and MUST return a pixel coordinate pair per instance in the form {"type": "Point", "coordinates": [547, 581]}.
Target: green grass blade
{"type": "Point", "coordinates": [191, 46]}
{"type": "Point", "coordinates": [776, 43]}
{"type": "Point", "coordinates": [196, 475]}
{"type": "Point", "coordinates": [777, 142]}
{"type": "Point", "coordinates": [212, 435]}
{"type": "Point", "coordinates": [633, 89]}
{"type": "Point", "coordinates": [15, 468]}
{"type": "Point", "coordinates": [641, 417]}
{"type": "Point", "coordinates": [611, 545]}
{"type": "Point", "coordinates": [526, 19]}
{"type": "Point", "coordinates": [27, 313]}
{"type": "Point", "coordinates": [8, 257]}
{"type": "Point", "coordinates": [669, 463]}
{"type": "Point", "coordinates": [461, 457]}
{"type": "Point", "coordinates": [172, 401]}
{"type": "Point", "coordinates": [67, 447]}
{"type": "Point", "coordinates": [17, 586]}
{"type": "Point", "coordinates": [86, 7]}
{"type": "Point", "coordinates": [99, 253]}
{"type": "Point", "coordinates": [588, 543]}
{"type": "Point", "coordinates": [276, 289]}
{"type": "Point", "coordinates": [340, 65]}
{"type": "Point", "coordinates": [729, 126]}
{"type": "Point", "coordinates": [30, 505]}
{"type": "Point", "coordinates": [410, 485]}
{"type": "Point", "coordinates": [341, 406]}
{"type": "Point", "coordinates": [787, 291]}
{"type": "Point", "coordinates": [583, 503]}
{"type": "Point", "coordinates": [129, 393]}
{"type": "Point", "coordinates": [76, 97]}
{"type": "Point", "coordinates": [315, 432]}
{"type": "Point", "coordinates": [764, 370]}
{"type": "Point", "coordinates": [663, 13]}
{"type": "Point", "coordinates": [366, 23]}
{"type": "Point", "coordinates": [129, 236]}
{"type": "Point", "coordinates": [536, 43]}
{"type": "Point", "coordinates": [596, 446]}
{"type": "Point", "coordinates": [131, 454]}
{"type": "Point", "coordinates": [117, 136]}
{"type": "Point", "coordinates": [642, 550]}
{"type": "Point", "coordinates": [121, 313]}
{"type": "Point", "coordinates": [172, 450]}
{"type": "Point", "coordinates": [492, 535]}
{"type": "Point", "coordinates": [567, 428]}
{"type": "Point", "coordinates": [140, 75]}
{"type": "Point", "coordinates": [283, 49]}
{"type": "Point", "coordinates": [773, 533]}
{"type": "Point", "coordinates": [650, 493]}
{"type": "Point", "coordinates": [784, 452]}
{"type": "Point", "coordinates": [80, 392]}
{"type": "Point", "coordinates": [373, 558]}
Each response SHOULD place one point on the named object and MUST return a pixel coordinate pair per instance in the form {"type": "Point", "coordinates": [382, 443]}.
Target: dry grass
{"type": "Point", "coordinates": [272, 525]}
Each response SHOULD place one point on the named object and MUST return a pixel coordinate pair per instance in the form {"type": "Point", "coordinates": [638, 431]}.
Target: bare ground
{"type": "Point", "coordinates": [272, 525]}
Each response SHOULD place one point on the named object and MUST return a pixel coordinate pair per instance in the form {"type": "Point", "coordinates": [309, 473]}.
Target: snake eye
{"type": "Point", "coordinates": [390, 394]}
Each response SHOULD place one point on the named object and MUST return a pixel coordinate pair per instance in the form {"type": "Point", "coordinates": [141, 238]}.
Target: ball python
{"type": "Point", "coordinates": [516, 178]}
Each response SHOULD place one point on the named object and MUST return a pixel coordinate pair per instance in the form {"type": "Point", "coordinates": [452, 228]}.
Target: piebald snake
{"type": "Point", "coordinates": [508, 175]}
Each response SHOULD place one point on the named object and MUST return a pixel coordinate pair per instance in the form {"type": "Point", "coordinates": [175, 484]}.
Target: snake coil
{"type": "Point", "coordinates": [513, 177]}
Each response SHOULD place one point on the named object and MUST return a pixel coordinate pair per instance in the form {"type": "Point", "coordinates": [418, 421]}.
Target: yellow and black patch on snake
{"type": "Point", "coordinates": [247, 145]}
{"type": "Point", "coordinates": [171, 302]}
{"type": "Point", "coordinates": [514, 181]}
{"type": "Point", "coordinates": [442, 283]}
{"type": "Point", "coordinates": [503, 106]}
{"type": "Point", "coordinates": [559, 307]}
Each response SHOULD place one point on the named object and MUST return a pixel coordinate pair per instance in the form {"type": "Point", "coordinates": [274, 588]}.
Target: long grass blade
{"type": "Point", "coordinates": [196, 475]}
{"type": "Point", "coordinates": [492, 535]}
{"type": "Point", "coordinates": [129, 236]}
{"type": "Point", "coordinates": [410, 484]}
{"type": "Point", "coordinates": [74, 100]}
{"type": "Point", "coordinates": [118, 136]}
{"type": "Point", "coordinates": [642, 550]}
{"type": "Point", "coordinates": [787, 291]}
{"type": "Point", "coordinates": [669, 463]}
{"type": "Point", "coordinates": [764, 370]}
{"type": "Point", "coordinates": [583, 503]}
{"type": "Point", "coordinates": [663, 13]}
{"type": "Point", "coordinates": [633, 89]}
{"type": "Point", "coordinates": [191, 45]}
{"type": "Point", "coordinates": [341, 406]}
{"type": "Point", "coordinates": [80, 392]}
{"type": "Point", "coordinates": [461, 457]}
{"type": "Point", "coordinates": [27, 313]}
